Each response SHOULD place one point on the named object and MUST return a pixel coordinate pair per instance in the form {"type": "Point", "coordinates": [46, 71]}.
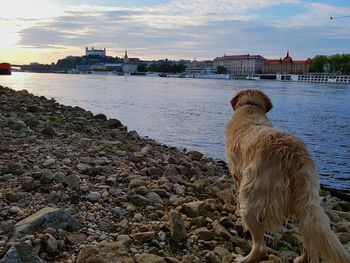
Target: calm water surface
{"type": "Point", "coordinates": [192, 113]}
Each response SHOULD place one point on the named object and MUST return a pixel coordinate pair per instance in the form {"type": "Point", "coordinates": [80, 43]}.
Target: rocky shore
{"type": "Point", "coordinates": [78, 187]}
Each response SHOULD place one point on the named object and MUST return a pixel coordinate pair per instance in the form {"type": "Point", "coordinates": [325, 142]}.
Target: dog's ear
{"type": "Point", "coordinates": [234, 101]}
{"type": "Point", "coordinates": [268, 103]}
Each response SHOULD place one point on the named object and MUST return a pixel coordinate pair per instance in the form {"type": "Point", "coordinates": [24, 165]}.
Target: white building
{"type": "Point", "coordinates": [95, 52]}
{"type": "Point", "coordinates": [241, 64]}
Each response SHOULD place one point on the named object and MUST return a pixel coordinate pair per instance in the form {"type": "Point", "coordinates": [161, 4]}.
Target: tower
{"type": "Point", "coordinates": [126, 59]}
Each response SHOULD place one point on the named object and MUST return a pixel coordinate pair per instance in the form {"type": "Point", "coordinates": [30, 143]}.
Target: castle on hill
{"type": "Point", "coordinates": [95, 52]}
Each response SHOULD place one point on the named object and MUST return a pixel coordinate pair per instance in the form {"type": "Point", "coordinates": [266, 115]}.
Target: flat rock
{"type": "Point", "coordinates": [44, 218]}
{"type": "Point", "coordinates": [194, 209]}
{"type": "Point", "coordinates": [139, 200]}
{"type": "Point", "coordinates": [104, 252]}
{"type": "Point", "coordinates": [144, 236]}
{"type": "Point", "coordinates": [76, 238]}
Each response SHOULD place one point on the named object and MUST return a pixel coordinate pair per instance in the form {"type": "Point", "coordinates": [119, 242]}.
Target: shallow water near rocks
{"type": "Point", "coordinates": [192, 113]}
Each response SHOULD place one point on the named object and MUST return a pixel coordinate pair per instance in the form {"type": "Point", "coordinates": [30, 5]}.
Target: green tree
{"type": "Point", "coordinates": [337, 63]}
{"type": "Point", "coordinates": [221, 70]}
{"type": "Point", "coordinates": [318, 63]}
{"type": "Point", "coordinates": [142, 68]}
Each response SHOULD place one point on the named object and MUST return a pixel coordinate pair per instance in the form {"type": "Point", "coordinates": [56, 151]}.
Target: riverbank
{"type": "Point", "coordinates": [78, 187]}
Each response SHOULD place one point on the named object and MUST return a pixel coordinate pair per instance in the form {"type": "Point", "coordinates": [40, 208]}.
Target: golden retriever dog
{"type": "Point", "coordinates": [276, 179]}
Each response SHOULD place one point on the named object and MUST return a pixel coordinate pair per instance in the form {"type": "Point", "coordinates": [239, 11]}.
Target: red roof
{"type": "Point", "coordinates": [287, 61]}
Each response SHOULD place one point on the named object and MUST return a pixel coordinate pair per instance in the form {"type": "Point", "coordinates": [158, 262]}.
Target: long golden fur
{"type": "Point", "coordinates": [276, 179]}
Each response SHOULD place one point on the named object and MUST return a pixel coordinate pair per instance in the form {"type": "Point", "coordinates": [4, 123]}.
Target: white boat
{"type": "Point", "coordinates": [312, 78]}
{"type": "Point", "coordinates": [209, 76]}
{"type": "Point", "coordinates": [315, 78]}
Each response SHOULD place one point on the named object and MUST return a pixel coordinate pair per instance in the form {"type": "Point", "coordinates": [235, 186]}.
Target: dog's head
{"type": "Point", "coordinates": [251, 97]}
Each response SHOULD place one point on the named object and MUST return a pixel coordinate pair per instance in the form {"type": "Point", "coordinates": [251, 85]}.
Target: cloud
{"type": "Point", "coordinates": [188, 29]}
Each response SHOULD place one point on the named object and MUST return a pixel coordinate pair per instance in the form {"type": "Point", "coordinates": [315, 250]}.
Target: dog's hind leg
{"type": "Point", "coordinates": [259, 248]}
{"type": "Point", "coordinates": [301, 259]}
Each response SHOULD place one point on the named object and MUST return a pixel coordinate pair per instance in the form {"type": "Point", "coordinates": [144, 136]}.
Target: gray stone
{"type": "Point", "coordinates": [154, 198]}
{"type": "Point", "coordinates": [94, 196]}
{"type": "Point", "coordinates": [21, 253]}
{"type": "Point", "coordinates": [137, 157]}
{"type": "Point", "coordinates": [195, 155]}
{"type": "Point", "coordinates": [50, 243]}
{"type": "Point", "coordinates": [49, 162]}
{"type": "Point", "coordinates": [76, 238]}
{"type": "Point", "coordinates": [44, 218]}
{"type": "Point", "coordinates": [115, 191]}
{"type": "Point", "coordinates": [49, 131]}
{"type": "Point", "coordinates": [16, 124]}
{"type": "Point", "coordinates": [139, 200]}
{"type": "Point", "coordinates": [114, 123]}
{"type": "Point", "coordinates": [212, 257]}
{"type": "Point", "coordinates": [14, 209]}
{"type": "Point", "coordinates": [136, 183]}
{"type": "Point", "coordinates": [12, 168]}
{"type": "Point", "coordinates": [100, 116]}
{"type": "Point", "coordinates": [82, 167]}
{"type": "Point", "coordinates": [71, 181]}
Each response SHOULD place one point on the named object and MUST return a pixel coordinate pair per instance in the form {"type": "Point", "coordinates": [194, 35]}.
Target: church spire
{"type": "Point", "coordinates": [126, 58]}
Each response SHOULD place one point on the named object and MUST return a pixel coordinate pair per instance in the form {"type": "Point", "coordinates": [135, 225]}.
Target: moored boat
{"type": "Point", "coordinates": [5, 69]}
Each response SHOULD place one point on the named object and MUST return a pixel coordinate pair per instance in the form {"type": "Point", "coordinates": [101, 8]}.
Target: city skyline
{"type": "Point", "coordinates": [44, 31]}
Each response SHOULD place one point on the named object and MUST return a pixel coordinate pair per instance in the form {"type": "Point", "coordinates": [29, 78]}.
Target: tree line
{"type": "Point", "coordinates": [335, 64]}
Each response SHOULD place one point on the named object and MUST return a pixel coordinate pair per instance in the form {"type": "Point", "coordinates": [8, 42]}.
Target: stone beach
{"type": "Point", "coordinates": [78, 187]}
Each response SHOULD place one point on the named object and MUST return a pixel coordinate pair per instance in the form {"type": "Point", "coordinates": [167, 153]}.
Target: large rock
{"type": "Point", "coordinates": [16, 124]}
{"type": "Point", "coordinates": [104, 252]}
{"type": "Point", "coordinates": [203, 233]}
{"type": "Point", "coordinates": [177, 227]}
{"type": "Point", "coordinates": [114, 123]}
{"type": "Point", "coordinates": [21, 253]}
{"type": "Point", "coordinates": [194, 209]}
{"type": "Point", "coordinates": [195, 155]}
{"type": "Point", "coordinates": [44, 218]}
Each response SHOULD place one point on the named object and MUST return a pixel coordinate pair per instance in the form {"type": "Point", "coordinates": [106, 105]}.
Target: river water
{"type": "Point", "coordinates": [192, 113]}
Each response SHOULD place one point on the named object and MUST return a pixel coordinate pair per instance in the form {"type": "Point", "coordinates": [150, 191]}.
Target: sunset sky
{"type": "Point", "coordinates": [46, 30]}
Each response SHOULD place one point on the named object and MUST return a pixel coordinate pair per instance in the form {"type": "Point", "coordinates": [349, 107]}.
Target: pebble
{"type": "Point", "coordinates": [14, 209]}
{"type": "Point", "coordinates": [50, 243]}
{"type": "Point", "coordinates": [94, 196]}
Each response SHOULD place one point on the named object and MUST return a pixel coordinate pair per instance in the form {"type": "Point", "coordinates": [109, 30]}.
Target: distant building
{"type": "Point", "coordinates": [241, 64]}
{"type": "Point", "coordinates": [200, 67]}
{"type": "Point", "coordinates": [286, 65]}
{"type": "Point", "coordinates": [115, 67]}
{"type": "Point", "coordinates": [95, 52]}
{"type": "Point", "coordinates": [130, 67]}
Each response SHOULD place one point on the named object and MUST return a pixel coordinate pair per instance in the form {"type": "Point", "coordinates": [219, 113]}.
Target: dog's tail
{"type": "Point", "coordinates": [318, 238]}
